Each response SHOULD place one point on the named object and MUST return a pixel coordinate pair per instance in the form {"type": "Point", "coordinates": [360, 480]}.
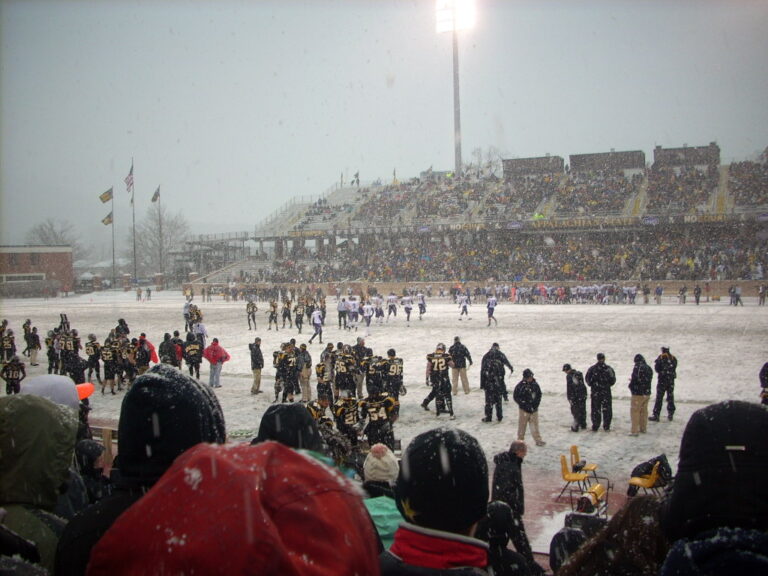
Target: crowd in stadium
{"type": "Point", "coordinates": [596, 192]}
{"type": "Point", "coordinates": [679, 188]}
{"type": "Point", "coordinates": [682, 252]}
{"type": "Point", "coordinates": [748, 183]}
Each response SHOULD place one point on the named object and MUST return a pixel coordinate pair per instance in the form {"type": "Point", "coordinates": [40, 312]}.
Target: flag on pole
{"type": "Point", "coordinates": [129, 179]}
{"type": "Point", "coordinates": [156, 195]}
{"type": "Point", "coordinates": [107, 220]}
{"type": "Point", "coordinates": [106, 196]}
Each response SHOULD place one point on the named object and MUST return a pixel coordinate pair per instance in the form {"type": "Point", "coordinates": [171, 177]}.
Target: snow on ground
{"type": "Point", "coordinates": [720, 350]}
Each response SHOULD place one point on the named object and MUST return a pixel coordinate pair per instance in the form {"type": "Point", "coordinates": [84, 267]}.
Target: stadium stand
{"type": "Point", "coordinates": [604, 218]}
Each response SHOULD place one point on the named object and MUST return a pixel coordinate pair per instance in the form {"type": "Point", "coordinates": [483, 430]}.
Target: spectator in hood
{"type": "Point", "coordinates": [37, 443]}
{"type": "Point", "coordinates": [716, 515]}
{"type": "Point", "coordinates": [246, 519]}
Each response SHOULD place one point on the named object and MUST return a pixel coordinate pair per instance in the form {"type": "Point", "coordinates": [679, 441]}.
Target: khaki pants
{"type": "Point", "coordinates": [33, 356]}
{"type": "Point", "coordinates": [256, 381]}
{"type": "Point", "coordinates": [306, 389]}
{"type": "Point", "coordinates": [359, 379]}
{"type": "Point", "coordinates": [638, 413]}
{"type": "Point", "coordinates": [457, 373]}
{"type": "Point", "coordinates": [525, 418]}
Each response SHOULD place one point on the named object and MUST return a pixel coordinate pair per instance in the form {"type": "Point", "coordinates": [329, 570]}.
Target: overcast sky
{"type": "Point", "coordinates": [234, 107]}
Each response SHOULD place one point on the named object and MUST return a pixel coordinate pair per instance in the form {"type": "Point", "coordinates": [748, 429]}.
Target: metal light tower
{"type": "Point", "coordinates": [452, 16]}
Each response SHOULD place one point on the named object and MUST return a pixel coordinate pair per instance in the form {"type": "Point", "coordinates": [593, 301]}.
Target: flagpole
{"type": "Point", "coordinates": [113, 242]}
{"type": "Point", "coordinates": [160, 226]}
{"type": "Point", "coordinates": [133, 207]}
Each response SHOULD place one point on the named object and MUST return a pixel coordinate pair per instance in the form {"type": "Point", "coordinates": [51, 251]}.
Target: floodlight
{"type": "Point", "coordinates": [454, 15]}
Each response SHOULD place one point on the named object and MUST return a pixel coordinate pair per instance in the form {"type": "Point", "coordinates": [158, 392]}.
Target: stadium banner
{"type": "Point", "coordinates": [583, 222]}
{"type": "Point", "coordinates": [700, 218]}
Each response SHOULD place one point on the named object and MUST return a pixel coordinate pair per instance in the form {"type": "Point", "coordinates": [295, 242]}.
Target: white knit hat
{"type": "Point", "coordinates": [380, 465]}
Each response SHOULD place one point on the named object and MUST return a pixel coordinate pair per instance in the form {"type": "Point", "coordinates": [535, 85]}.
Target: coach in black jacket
{"type": "Point", "coordinates": [600, 377]}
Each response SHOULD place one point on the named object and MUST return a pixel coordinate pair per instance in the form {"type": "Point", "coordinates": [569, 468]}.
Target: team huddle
{"type": "Point", "coordinates": [357, 392]}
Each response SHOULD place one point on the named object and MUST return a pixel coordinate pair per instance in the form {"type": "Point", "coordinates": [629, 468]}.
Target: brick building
{"type": "Point", "coordinates": [36, 270]}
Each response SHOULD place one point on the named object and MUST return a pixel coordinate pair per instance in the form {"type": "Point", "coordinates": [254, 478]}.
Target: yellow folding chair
{"type": "Point", "coordinates": [587, 467]}
{"type": "Point", "coordinates": [580, 478]}
{"type": "Point", "coordinates": [648, 481]}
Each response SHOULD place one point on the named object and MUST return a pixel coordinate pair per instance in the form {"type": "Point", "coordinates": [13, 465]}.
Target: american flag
{"type": "Point", "coordinates": [129, 180]}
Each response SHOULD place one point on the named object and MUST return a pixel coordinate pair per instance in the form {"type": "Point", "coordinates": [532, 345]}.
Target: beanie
{"type": "Point", "coordinates": [527, 373]}
{"type": "Point", "coordinates": [443, 481]}
{"type": "Point", "coordinates": [499, 522]}
{"type": "Point", "coordinates": [292, 425]}
{"type": "Point", "coordinates": [380, 465]}
{"type": "Point", "coordinates": [639, 358]}
{"type": "Point", "coordinates": [721, 474]}
{"type": "Point", "coordinates": [87, 452]}
{"type": "Point", "coordinates": [566, 367]}
{"type": "Point", "coordinates": [163, 414]}
{"type": "Point", "coordinates": [243, 509]}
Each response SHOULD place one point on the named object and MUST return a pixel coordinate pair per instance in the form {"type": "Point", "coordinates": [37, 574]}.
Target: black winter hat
{"type": "Point", "coordinates": [87, 451]}
{"type": "Point", "coordinates": [639, 358]}
{"type": "Point", "coordinates": [721, 473]}
{"type": "Point", "coordinates": [499, 521]}
{"type": "Point", "coordinates": [527, 373]}
{"type": "Point", "coordinates": [163, 414]}
{"type": "Point", "coordinates": [443, 481]}
{"type": "Point", "coordinates": [291, 425]}
{"type": "Point", "coordinates": [566, 367]}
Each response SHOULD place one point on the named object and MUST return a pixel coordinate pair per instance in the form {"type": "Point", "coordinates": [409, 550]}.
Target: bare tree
{"type": "Point", "coordinates": [57, 233]}
{"type": "Point", "coordinates": [486, 163]}
{"type": "Point", "coordinates": [493, 163]}
{"type": "Point", "coordinates": [152, 248]}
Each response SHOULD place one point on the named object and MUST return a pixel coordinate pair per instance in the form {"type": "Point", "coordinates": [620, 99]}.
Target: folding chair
{"type": "Point", "coordinates": [593, 501]}
{"type": "Point", "coordinates": [580, 478]}
{"type": "Point", "coordinates": [648, 481]}
{"type": "Point", "coordinates": [577, 464]}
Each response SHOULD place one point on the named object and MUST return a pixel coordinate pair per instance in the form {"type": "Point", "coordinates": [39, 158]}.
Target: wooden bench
{"type": "Point", "coordinates": [106, 432]}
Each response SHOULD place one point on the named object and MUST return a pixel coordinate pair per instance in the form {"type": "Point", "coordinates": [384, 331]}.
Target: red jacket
{"type": "Point", "coordinates": [215, 354]}
{"type": "Point", "coordinates": [264, 509]}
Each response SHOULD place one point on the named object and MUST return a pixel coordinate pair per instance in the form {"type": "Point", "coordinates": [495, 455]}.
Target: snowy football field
{"type": "Point", "coordinates": [720, 350]}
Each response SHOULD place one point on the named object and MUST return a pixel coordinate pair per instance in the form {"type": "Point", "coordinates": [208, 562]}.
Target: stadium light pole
{"type": "Point", "coordinates": [453, 16]}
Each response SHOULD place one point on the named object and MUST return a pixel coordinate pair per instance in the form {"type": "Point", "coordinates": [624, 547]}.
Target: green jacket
{"type": "Point", "coordinates": [37, 443]}
{"type": "Point", "coordinates": [386, 517]}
